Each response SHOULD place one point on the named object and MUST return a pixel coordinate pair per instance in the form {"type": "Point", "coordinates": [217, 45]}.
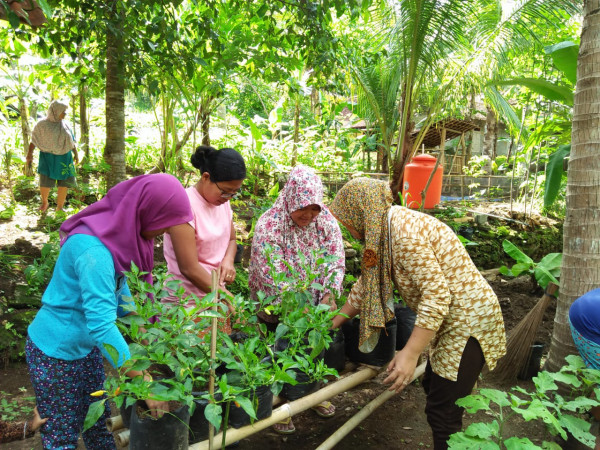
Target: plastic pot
{"type": "Point", "coordinates": [382, 353]}
{"type": "Point", "coordinates": [405, 322]}
{"type": "Point", "coordinates": [532, 366]}
{"type": "Point", "coordinates": [126, 414]}
{"type": "Point", "coordinates": [262, 398]}
{"type": "Point", "coordinates": [198, 430]}
{"type": "Point", "coordinates": [304, 386]}
{"type": "Point", "coordinates": [170, 432]}
{"type": "Point", "coordinates": [335, 355]}
{"type": "Point", "coordinates": [239, 253]}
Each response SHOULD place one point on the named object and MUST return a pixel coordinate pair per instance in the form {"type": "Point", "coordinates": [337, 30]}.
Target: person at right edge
{"type": "Point", "coordinates": [458, 314]}
{"type": "Point", "coordinates": [584, 320]}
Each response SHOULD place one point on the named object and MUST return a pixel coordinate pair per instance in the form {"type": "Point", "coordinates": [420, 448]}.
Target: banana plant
{"type": "Point", "coordinates": [545, 271]}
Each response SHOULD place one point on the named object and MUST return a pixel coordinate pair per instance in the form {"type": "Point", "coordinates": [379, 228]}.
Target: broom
{"type": "Point", "coordinates": [521, 337]}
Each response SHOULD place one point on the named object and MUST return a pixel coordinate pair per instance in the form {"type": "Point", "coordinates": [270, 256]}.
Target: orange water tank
{"type": "Point", "coordinates": [416, 175]}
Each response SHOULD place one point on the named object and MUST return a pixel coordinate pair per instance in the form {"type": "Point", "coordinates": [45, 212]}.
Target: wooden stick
{"type": "Point", "coordinates": [364, 413]}
{"type": "Point", "coordinates": [431, 175]}
{"type": "Point", "coordinates": [122, 439]}
{"type": "Point", "coordinates": [114, 423]}
{"type": "Point", "coordinates": [213, 351]}
{"type": "Point", "coordinates": [295, 407]}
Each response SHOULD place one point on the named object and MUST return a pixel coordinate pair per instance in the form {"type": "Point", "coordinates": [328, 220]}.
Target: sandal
{"type": "Point", "coordinates": [286, 426]}
{"type": "Point", "coordinates": [324, 409]}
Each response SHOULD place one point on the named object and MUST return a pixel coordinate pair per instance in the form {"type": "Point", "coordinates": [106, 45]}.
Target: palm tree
{"type": "Point", "coordinates": [446, 47]}
{"type": "Point", "coordinates": [378, 102]}
{"type": "Point", "coordinates": [580, 271]}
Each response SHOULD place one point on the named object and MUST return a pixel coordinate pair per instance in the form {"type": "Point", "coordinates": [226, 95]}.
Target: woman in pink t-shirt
{"type": "Point", "coordinates": [194, 249]}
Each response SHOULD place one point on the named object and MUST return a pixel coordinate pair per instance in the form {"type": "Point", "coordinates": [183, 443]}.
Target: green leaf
{"type": "Point", "coordinates": [554, 174]}
{"type": "Point", "coordinates": [13, 19]}
{"type": "Point", "coordinates": [94, 413]}
{"type": "Point", "coordinates": [543, 277]}
{"type": "Point", "coordinates": [579, 428]}
{"type": "Point", "coordinates": [474, 403]}
{"type": "Point", "coordinates": [545, 88]}
{"type": "Point", "coordinates": [544, 382]}
{"type": "Point", "coordinates": [462, 441]}
{"type": "Point", "coordinates": [274, 191]}
{"type": "Point", "coordinates": [498, 397]}
{"type": "Point", "coordinates": [45, 7]}
{"type": "Point", "coordinates": [564, 55]}
{"type": "Point", "coordinates": [483, 430]}
{"type": "Point", "coordinates": [246, 405]}
{"type": "Point", "coordinates": [113, 353]}
{"type": "Point", "coordinates": [517, 443]}
{"type": "Point", "coordinates": [212, 412]}
{"type": "Point", "coordinates": [519, 268]}
{"type": "Point", "coordinates": [567, 378]}
{"type": "Point", "coordinates": [515, 253]}
{"type": "Point", "coordinates": [551, 262]}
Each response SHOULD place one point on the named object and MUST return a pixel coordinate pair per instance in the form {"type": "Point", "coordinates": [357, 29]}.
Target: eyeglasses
{"type": "Point", "coordinates": [225, 194]}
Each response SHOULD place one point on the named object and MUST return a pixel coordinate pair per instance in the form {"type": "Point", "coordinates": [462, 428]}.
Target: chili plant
{"type": "Point", "coordinates": [303, 326]}
{"type": "Point", "coordinates": [164, 336]}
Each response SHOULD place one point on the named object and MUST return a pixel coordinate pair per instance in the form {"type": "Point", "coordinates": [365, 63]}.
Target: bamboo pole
{"type": "Point", "coordinates": [114, 423]}
{"type": "Point", "coordinates": [213, 351]}
{"type": "Point", "coordinates": [364, 413]}
{"type": "Point", "coordinates": [122, 439]}
{"type": "Point", "coordinates": [295, 407]}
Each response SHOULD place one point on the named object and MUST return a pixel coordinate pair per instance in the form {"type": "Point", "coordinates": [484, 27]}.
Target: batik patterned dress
{"type": "Point", "coordinates": [437, 279]}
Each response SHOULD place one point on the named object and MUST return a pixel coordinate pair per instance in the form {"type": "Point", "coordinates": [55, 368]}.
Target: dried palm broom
{"type": "Point", "coordinates": [521, 337]}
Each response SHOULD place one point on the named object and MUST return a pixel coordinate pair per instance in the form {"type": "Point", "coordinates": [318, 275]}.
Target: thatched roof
{"type": "Point", "coordinates": [454, 128]}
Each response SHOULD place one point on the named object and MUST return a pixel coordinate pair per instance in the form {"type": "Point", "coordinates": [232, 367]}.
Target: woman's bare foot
{"type": "Point", "coordinates": [285, 426]}
{"type": "Point", "coordinates": [44, 207]}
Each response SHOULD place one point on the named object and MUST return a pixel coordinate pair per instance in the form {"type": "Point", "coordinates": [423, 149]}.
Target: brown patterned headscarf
{"type": "Point", "coordinates": [363, 203]}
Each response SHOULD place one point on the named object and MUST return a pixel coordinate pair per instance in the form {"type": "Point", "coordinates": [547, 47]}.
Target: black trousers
{"type": "Point", "coordinates": [443, 415]}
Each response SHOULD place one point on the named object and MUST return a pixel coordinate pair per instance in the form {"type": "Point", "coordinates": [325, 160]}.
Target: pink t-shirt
{"type": "Point", "coordinates": [212, 226]}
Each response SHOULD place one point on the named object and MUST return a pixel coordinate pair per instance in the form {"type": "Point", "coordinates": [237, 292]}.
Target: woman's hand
{"type": "Point", "coordinates": [402, 367]}
{"type": "Point", "coordinates": [157, 409]}
{"type": "Point", "coordinates": [401, 370]}
{"type": "Point", "coordinates": [227, 272]}
{"type": "Point", "coordinates": [328, 300]}
{"type": "Point", "coordinates": [37, 421]}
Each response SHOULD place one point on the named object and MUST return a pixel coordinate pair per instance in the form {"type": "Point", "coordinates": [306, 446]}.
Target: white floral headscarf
{"type": "Point", "coordinates": [277, 229]}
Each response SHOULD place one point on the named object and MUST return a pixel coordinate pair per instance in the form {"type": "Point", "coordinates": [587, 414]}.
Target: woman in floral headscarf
{"type": "Point", "coordinates": [55, 166]}
{"type": "Point", "coordinates": [458, 315]}
{"type": "Point", "coordinates": [297, 222]}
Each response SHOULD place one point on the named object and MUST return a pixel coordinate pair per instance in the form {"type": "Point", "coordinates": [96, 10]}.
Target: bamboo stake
{"type": "Point", "coordinates": [364, 413]}
{"type": "Point", "coordinates": [122, 439]}
{"type": "Point", "coordinates": [213, 351]}
{"type": "Point", "coordinates": [114, 423]}
{"type": "Point", "coordinates": [295, 407]}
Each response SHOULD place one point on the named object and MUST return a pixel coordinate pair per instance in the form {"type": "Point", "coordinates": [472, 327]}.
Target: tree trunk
{"type": "Point", "coordinates": [74, 116]}
{"type": "Point", "coordinates": [315, 104]}
{"type": "Point", "coordinates": [490, 138]}
{"type": "Point", "coordinates": [205, 111]}
{"type": "Point", "coordinates": [84, 124]}
{"type": "Point", "coordinates": [296, 130]}
{"type": "Point", "coordinates": [398, 168]}
{"type": "Point", "coordinates": [114, 152]}
{"type": "Point", "coordinates": [580, 271]}
{"type": "Point", "coordinates": [469, 150]}
{"type": "Point", "coordinates": [25, 134]}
